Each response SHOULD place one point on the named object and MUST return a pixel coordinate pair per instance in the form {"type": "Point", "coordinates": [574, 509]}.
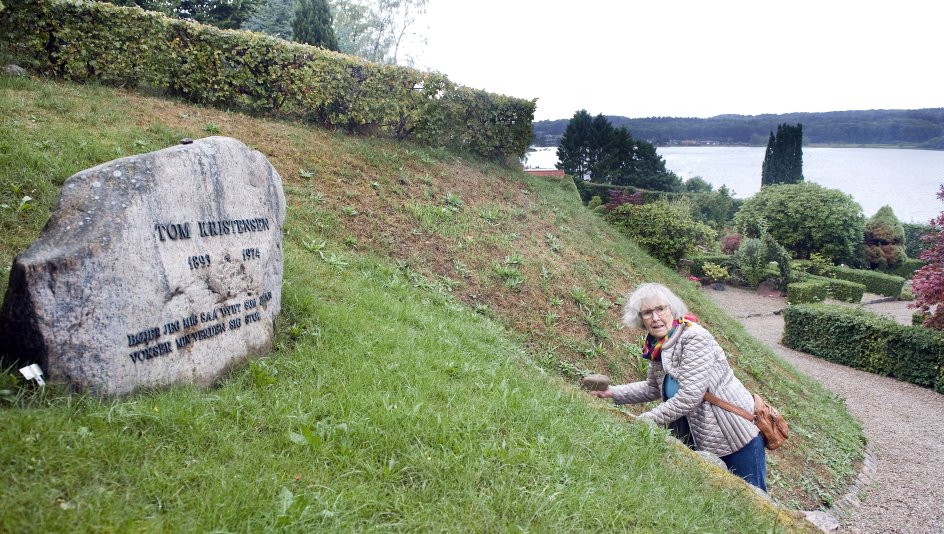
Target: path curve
{"type": "Point", "coordinates": [903, 423]}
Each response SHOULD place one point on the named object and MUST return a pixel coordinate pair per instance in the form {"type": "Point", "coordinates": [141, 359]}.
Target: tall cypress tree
{"type": "Point", "coordinates": [783, 160]}
{"type": "Point", "coordinates": [312, 24]}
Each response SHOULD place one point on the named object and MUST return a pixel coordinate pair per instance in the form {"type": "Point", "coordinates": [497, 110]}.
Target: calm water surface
{"type": "Point", "coordinates": [906, 180]}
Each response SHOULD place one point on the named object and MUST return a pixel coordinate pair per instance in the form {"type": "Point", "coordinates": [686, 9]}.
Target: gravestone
{"type": "Point", "coordinates": [157, 269]}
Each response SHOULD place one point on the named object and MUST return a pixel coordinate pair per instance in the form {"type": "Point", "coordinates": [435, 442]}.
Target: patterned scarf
{"type": "Point", "coordinates": [652, 348]}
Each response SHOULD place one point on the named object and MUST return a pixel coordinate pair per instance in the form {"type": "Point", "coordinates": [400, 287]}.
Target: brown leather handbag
{"type": "Point", "coordinates": [772, 425]}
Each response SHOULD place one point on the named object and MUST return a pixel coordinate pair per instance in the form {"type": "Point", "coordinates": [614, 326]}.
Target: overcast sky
{"type": "Point", "coordinates": [691, 58]}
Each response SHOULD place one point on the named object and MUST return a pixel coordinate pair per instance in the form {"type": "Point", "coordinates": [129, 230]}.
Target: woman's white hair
{"type": "Point", "coordinates": [646, 293]}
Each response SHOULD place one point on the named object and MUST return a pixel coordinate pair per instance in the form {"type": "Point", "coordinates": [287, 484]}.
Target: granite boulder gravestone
{"type": "Point", "coordinates": [157, 269]}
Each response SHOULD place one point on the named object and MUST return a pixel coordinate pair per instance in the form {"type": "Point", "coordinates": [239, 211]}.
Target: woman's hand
{"type": "Point", "coordinates": [603, 394]}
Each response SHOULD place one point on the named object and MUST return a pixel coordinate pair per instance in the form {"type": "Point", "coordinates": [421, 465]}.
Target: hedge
{"type": "Point", "coordinates": [874, 281]}
{"type": "Point", "coordinates": [836, 288]}
{"type": "Point", "coordinates": [260, 74]}
{"type": "Point", "coordinates": [866, 341]}
{"type": "Point", "coordinates": [806, 292]}
{"type": "Point", "coordinates": [907, 269]}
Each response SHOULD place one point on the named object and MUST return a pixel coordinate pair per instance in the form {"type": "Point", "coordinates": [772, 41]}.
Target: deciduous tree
{"type": "Point", "coordinates": [928, 281]}
{"type": "Point", "coordinates": [378, 30]}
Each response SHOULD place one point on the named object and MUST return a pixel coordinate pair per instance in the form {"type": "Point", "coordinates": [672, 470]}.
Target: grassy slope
{"type": "Point", "coordinates": [390, 403]}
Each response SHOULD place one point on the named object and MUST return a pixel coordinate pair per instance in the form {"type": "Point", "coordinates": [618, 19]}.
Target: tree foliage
{"type": "Point", "coordinates": [226, 14]}
{"type": "Point", "coordinates": [274, 17]}
{"type": "Point", "coordinates": [783, 160]}
{"type": "Point", "coordinates": [928, 281]}
{"type": "Point", "coordinates": [378, 30]}
{"type": "Point", "coordinates": [884, 238]}
{"type": "Point", "coordinates": [916, 127]}
{"type": "Point", "coordinates": [807, 218]}
{"type": "Point", "coordinates": [312, 24]}
{"type": "Point", "coordinates": [592, 149]}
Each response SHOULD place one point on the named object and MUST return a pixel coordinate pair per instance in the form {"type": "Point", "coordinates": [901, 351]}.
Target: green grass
{"type": "Point", "coordinates": [413, 388]}
{"type": "Point", "coordinates": [392, 408]}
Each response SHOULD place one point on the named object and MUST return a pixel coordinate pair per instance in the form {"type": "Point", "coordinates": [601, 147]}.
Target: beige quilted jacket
{"type": "Point", "coordinates": [696, 360]}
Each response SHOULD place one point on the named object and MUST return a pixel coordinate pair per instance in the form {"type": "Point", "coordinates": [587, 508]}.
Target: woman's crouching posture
{"type": "Point", "coordinates": [685, 361]}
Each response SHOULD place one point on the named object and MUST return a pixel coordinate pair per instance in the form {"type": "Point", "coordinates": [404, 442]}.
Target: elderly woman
{"type": "Point", "coordinates": [685, 361]}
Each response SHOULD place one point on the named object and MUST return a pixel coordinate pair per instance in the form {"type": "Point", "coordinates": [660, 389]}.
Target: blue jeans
{"type": "Point", "coordinates": [750, 463]}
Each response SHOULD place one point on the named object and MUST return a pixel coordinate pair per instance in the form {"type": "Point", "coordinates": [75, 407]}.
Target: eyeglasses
{"type": "Point", "coordinates": [651, 314]}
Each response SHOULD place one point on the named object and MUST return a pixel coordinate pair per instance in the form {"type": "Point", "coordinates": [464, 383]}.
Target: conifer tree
{"type": "Point", "coordinates": [783, 160]}
{"type": "Point", "coordinates": [312, 24]}
{"type": "Point", "coordinates": [884, 240]}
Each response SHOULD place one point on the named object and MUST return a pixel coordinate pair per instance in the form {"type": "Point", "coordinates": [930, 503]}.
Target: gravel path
{"type": "Point", "coordinates": [902, 422]}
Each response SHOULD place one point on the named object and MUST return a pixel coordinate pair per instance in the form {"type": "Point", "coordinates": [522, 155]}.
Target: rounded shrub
{"type": "Point", "coordinates": [664, 229]}
{"type": "Point", "coordinates": [807, 218]}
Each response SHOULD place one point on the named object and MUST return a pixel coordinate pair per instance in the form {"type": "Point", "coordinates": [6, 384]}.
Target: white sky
{"type": "Point", "coordinates": [688, 58]}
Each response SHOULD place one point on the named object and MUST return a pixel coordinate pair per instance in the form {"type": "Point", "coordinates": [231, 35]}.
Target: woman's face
{"type": "Point", "coordinates": [656, 317]}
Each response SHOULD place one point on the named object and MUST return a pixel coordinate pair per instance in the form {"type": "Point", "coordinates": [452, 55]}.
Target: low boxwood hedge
{"type": "Point", "coordinates": [836, 288]}
{"type": "Point", "coordinates": [874, 281]}
{"type": "Point", "coordinates": [866, 341]}
{"type": "Point", "coordinates": [806, 292]}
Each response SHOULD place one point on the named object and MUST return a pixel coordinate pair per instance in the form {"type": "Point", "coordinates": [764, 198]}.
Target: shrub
{"type": "Point", "coordinates": [751, 261]}
{"type": "Point", "coordinates": [869, 342]}
{"type": "Point", "coordinates": [699, 262]}
{"type": "Point", "coordinates": [714, 272]}
{"type": "Point", "coordinates": [884, 239]}
{"type": "Point", "coordinates": [666, 230]}
{"type": "Point", "coordinates": [730, 243]}
{"type": "Point", "coordinates": [807, 218]}
{"type": "Point", "coordinates": [594, 202]}
{"type": "Point", "coordinates": [621, 197]}
{"type": "Point", "coordinates": [928, 281]}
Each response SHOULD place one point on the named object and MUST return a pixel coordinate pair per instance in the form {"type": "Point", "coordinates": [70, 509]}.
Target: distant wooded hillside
{"type": "Point", "coordinates": [920, 128]}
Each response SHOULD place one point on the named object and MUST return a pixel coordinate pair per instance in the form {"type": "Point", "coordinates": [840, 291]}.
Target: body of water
{"type": "Point", "coordinates": [906, 180]}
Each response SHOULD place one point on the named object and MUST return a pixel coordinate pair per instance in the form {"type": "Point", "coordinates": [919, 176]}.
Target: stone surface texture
{"type": "Point", "coordinates": [157, 269]}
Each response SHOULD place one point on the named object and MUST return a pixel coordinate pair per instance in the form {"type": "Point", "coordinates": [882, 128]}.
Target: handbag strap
{"type": "Point", "coordinates": [718, 401]}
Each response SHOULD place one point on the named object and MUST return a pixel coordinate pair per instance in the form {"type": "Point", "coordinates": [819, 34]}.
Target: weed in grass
{"type": "Point", "coordinates": [211, 128]}
{"type": "Point", "coordinates": [350, 211]}
{"type": "Point", "coordinates": [491, 215]}
{"type": "Point", "coordinates": [453, 202]}
{"type": "Point", "coordinates": [514, 259]}
{"type": "Point", "coordinates": [550, 319]}
{"type": "Point", "coordinates": [448, 284]}
{"type": "Point", "coordinates": [580, 296]}
{"type": "Point", "coordinates": [553, 242]}
{"type": "Point", "coordinates": [350, 241]}
{"type": "Point", "coordinates": [306, 174]}
{"type": "Point", "coordinates": [462, 269]}
{"type": "Point", "coordinates": [314, 246]}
